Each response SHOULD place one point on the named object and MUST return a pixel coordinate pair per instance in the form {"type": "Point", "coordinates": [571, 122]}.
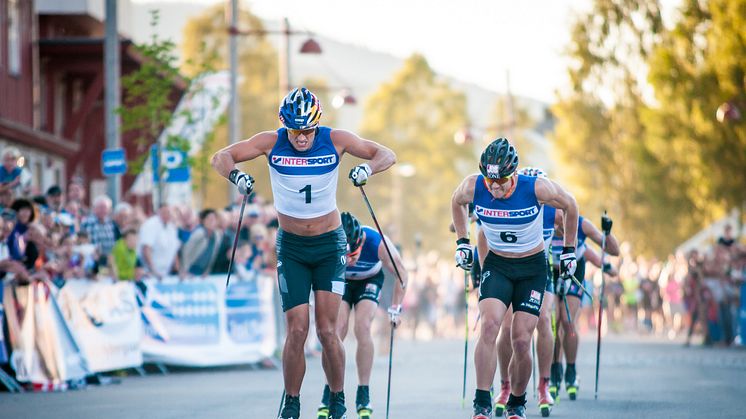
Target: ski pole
{"type": "Point", "coordinates": [466, 335]}
{"type": "Point", "coordinates": [235, 240]}
{"type": "Point", "coordinates": [282, 402]}
{"type": "Point", "coordinates": [580, 285]}
{"type": "Point", "coordinates": [383, 239]}
{"type": "Point", "coordinates": [391, 358]}
{"type": "Point", "coordinates": [600, 310]}
{"type": "Point", "coordinates": [533, 363]}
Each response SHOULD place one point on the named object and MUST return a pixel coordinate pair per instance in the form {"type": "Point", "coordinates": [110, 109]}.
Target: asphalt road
{"type": "Point", "coordinates": [640, 378]}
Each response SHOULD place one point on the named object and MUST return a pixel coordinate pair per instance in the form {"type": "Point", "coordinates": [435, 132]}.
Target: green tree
{"type": "Point", "coordinates": [206, 40]}
{"type": "Point", "coordinates": [149, 98]}
{"type": "Point", "coordinates": [416, 114]}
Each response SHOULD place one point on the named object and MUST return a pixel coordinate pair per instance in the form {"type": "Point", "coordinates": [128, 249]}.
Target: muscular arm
{"type": "Point", "coordinates": [590, 230]}
{"type": "Point", "coordinates": [224, 161]}
{"type": "Point", "coordinates": [462, 196]}
{"type": "Point", "coordinates": [550, 192]}
{"type": "Point", "coordinates": [379, 157]}
{"type": "Point", "coordinates": [386, 261]}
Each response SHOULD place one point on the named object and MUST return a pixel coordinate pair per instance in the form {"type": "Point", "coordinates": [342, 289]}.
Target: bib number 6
{"type": "Point", "coordinates": [508, 236]}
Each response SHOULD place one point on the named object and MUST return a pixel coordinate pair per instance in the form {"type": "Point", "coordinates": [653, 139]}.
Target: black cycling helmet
{"type": "Point", "coordinates": [353, 231]}
{"type": "Point", "coordinates": [499, 159]}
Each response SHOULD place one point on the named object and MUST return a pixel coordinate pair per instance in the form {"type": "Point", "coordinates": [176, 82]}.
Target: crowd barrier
{"type": "Point", "coordinates": [62, 335]}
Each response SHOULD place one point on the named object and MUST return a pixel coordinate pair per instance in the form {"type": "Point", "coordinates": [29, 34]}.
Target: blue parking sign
{"type": "Point", "coordinates": [174, 162]}
{"type": "Point", "coordinates": [113, 162]}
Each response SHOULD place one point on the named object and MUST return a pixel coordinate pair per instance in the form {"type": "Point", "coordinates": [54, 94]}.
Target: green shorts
{"type": "Point", "coordinates": [310, 262]}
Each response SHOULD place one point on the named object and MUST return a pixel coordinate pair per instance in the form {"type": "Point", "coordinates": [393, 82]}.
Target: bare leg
{"type": "Point", "coordinates": [545, 340]}
{"type": "Point", "coordinates": [485, 354]}
{"type": "Point", "coordinates": [520, 364]}
{"type": "Point", "coordinates": [570, 340]}
{"type": "Point", "coordinates": [333, 355]}
{"type": "Point", "coordinates": [365, 310]}
{"type": "Point", "coordinates": [293, 358]}
{"type": "Point", "coordinates": [504, 347]}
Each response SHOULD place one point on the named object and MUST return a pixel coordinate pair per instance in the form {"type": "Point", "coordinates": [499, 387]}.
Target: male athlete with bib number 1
{"type": "Point", "coordinates": [510, 207]}
{"type": "Point", "coordinates": [311, 244]}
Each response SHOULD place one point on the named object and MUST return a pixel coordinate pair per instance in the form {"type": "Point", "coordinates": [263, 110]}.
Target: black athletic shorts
{"type": "Point", "coordinates": [357, 290]}
{"type": "Point", "coordinates": [550, 278]}
{"type": "Point", "coordinates": [310, 262]}
{"type": "Point", "coordinates": [575, 290]}
{"type": "Point", "coordinates": [517, 282]}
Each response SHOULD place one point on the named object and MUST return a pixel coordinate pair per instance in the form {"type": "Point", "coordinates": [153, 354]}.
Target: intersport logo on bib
{"type": "Point", "coordinates": [496, 213]}
{"type": "Point", "coordinates": [289, 161]}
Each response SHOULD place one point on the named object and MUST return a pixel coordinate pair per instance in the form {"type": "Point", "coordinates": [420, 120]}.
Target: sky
{"type": "Point", "coordinates": [478, 41]}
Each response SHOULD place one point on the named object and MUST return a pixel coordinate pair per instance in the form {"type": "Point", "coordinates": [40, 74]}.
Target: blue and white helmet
{"type": "Point", "coordinates": [532, 171]}
{"type": "Point", "coordinates": [300, 109]}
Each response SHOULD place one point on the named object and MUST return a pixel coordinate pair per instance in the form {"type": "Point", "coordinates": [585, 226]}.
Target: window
{"type": "Point", "coordinates": [14, 37]}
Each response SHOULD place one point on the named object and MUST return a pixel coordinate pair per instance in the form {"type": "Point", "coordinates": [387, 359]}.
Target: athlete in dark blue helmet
{"type": "Point", "coordinates": [510, 207]}
{"type": "Point", "coordinates": [366, 259]}
{"type": "Point", "coordinates": [567, 336]}
{"type": "Point", "coordinates": [303, 161]}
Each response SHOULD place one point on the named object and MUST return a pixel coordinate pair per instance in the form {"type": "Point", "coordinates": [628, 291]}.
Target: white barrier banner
{"type": "Point", "coordinates": [44, 349]}
{"type": "Point", "coordinates": [197, 322]}
{"type": "Point", "coordinates": [105, 319]}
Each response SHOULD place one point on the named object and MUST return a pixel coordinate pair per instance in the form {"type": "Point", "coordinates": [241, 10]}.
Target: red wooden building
{"type": "Point", "coordinates": [52, 91]}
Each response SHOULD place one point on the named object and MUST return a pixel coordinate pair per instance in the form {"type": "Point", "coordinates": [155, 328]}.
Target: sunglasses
{"type": "Point", "coordinates": [297, 132]}
{"type": "Point", "coordinates": [500, 181]}
{"type": "Point", "coordinates": [355, 252]}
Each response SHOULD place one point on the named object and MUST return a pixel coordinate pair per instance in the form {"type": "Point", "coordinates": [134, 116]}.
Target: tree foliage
{"type": "Point", "coordinates": [637, 132]}
{"type": "Point", "coordinates": [416, 114]}
{"type": "Point", "coordinates": [206, 40]}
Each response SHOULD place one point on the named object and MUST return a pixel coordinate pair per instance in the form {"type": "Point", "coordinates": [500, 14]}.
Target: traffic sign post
{"type": "Point", "coordinates": [113, 162]}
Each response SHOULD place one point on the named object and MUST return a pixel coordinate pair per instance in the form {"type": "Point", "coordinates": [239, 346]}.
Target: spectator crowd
{"type": "Point", "coordinates": [56, 236]}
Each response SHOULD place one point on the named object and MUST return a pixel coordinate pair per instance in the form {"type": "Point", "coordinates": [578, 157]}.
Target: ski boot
{"type": "Point", "coordinates": [571, 382]}
{"type": "Point", "coordinates": [502, 398]}
{"type": "Point", "coordinates": [362, 403]}
{"type": "Point", "coordinates": [516, 412]}
{"type": "Point", "coordinates": [546, 401]}
{"type": "Point", "coordinates": [290, 407]}
{"type": "Point", "coordinates": [555, 380]}
{"type": "Point", "coordinates": [481, 412]}
{"type": "Point", "coordinates": [337, 409]}
{"type": "Point", "coordinates": [323, 412]}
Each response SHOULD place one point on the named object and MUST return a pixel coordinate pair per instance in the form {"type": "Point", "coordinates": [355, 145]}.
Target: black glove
{"type": "Point", "coordinates": [464, 254]}
{"type": "Point", "coordinates": [568, 261]}
{"type": "Point", "coordinates": [244, 182]}
{"type": "Point", "coordinates": [606, 224]}
{"type": "Point", "coordinates": [607, 267]}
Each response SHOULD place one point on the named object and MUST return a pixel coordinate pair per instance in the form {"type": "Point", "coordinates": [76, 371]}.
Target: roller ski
{"type": "Point", "coordinates": [555, 381]}
{"type": "Point", "coordinates": [571, 382]}
{"type": "Point", "coordinates": [290, 408]}
{"type": "Point", "coordinates": [546, 401]}
{"type": "Point", "coordinates": [502, 399]}
{"type": "Point", "coordinates": [322, 412]}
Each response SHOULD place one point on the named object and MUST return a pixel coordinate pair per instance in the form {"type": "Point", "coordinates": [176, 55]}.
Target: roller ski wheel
{"type": "Point", "coordinates": [323, 412]}
{"type": "Point", "coordinates": [572, 392]}
{"type": "Point", "coordinates": [555, 380]}
{"type": "Point", "coordinates": [364, 412]}
{"type": "Point", "coordinates": [516, 412]}
{"type": "Point", "coordinates": [502, 399]}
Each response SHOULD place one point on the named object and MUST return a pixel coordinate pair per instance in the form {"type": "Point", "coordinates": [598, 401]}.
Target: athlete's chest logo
{"type": "Point", "coordinates": [501, 213]}
{"type": "Point", "coordinates": [316, 161]}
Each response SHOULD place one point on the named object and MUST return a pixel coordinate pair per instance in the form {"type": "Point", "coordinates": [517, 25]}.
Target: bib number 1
{"type": "Point", "coordinates": [307, 190]}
